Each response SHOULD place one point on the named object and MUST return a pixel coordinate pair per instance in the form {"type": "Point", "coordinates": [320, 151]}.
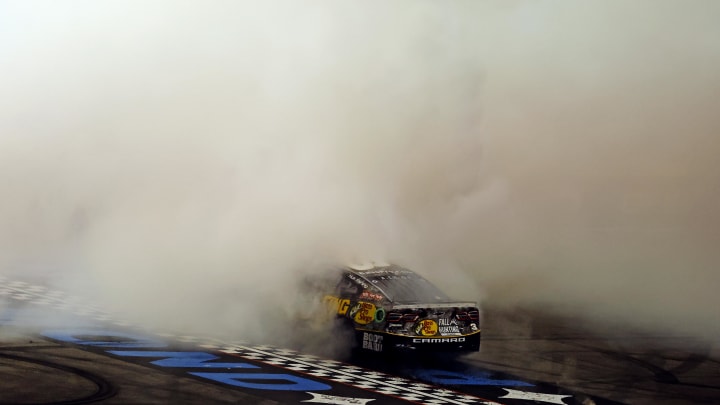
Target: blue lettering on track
{"type": "Point", "coordinates": [95, 337]}
{"type": "Point", "coordinates": [120, 340]}
{"type": "Point", "coordinates": [288, 382]}
{"type": "Point", "coordinates": [182, 359]}
{"type": "Point", "coordinates": [443, 377]}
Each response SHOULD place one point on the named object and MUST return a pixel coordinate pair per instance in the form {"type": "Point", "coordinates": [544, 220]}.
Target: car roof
{"type": "Point", "coordinates": [398, 283]}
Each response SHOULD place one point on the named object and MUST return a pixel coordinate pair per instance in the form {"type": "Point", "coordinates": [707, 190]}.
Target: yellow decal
{"type": "Point", "coordinates": [363, 313]}
{"type": "Point", "coordinates": [426, 327]}
{"type": "Point", "coordinates": [331, 301]}
{"type": "Point", "coordinates": [343, 307]}
{"type": "Point", "coordinates": [336, 304]}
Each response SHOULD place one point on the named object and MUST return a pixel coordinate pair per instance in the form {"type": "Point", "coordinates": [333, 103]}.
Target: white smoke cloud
{"type": "Point", "coordinates": [187, 162]}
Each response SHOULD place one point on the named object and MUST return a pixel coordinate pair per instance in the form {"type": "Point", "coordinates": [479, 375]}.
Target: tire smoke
{"type": "Point", "coordinates": [187, 163]}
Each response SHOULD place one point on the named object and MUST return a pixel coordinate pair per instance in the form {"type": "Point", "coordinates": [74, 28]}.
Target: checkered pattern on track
{"type": "Point", "coordinates": [331, 370]}
{"type": "Point", "coordinates": [42, 296]}
{"type": "Point", "coordinates": [354, 376]}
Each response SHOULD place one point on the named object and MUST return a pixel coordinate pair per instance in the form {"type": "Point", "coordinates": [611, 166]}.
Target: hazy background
{"type": "Point", "coordinates": [186, 162]}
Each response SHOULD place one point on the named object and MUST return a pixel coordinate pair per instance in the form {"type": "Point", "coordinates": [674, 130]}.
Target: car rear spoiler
{"type": "Point", "coordinates": [436, 305]}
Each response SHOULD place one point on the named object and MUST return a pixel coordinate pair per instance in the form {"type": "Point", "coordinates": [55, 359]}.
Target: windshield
{"type": "Point", "coordinates": [404, 286]}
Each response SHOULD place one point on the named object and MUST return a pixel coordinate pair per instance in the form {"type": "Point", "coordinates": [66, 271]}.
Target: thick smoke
{"type": "Point", "coordinates": [186, 163]}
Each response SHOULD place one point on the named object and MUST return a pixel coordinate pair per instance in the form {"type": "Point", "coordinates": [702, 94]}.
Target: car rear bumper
{"type": "Point", "coordinates": [384, 342]}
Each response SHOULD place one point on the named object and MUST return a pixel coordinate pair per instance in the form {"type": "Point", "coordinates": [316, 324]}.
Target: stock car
{"type": "Point", "coordinates": [389, 308]}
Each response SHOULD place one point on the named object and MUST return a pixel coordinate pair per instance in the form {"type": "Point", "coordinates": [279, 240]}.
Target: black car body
{"type": "Point", "coordinates": [392, 308]}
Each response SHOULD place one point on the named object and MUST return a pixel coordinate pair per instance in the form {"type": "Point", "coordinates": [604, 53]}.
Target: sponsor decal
{"type": "Point", "coordinates": [369, 295]}
{"type": "Point", "coordinates": [337, 304]}
{"type": "Point", "coordinates": [358, 280]}
{"type": "Point", "coordinates": [372, 342]}
{"type": "Point", "coordinates": [426, 327]}
{"type": "Point", "coordinates": [343, 307]}
{"type": "Point", "coordinates": [439, 340]}
{"type": "Point", "coordinates": [448, 327]}
{"type": "Point", "coordinates": [363, 313]}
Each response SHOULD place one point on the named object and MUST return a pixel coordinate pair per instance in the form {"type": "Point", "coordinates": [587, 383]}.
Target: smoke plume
{"type": "Point", "coordinates": [186, 163]}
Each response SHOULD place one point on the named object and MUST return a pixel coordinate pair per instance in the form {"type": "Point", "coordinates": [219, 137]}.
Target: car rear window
{"type": "Point", "coordinates": [405, 286]}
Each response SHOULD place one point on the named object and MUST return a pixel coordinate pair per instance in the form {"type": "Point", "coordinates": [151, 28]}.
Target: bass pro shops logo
{"type": "Point", "coordinates": [426, 327]}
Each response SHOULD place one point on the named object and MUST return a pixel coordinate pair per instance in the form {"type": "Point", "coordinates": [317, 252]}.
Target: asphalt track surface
{"type": "Point", "coordinates": [526, 357]}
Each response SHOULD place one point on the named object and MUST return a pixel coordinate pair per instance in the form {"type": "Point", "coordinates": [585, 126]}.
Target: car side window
{"type": "Point", "coordinates": [347, 287]}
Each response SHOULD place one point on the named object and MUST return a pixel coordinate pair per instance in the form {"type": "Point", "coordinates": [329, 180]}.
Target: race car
{"type": "Point", "coordinates": [390, 308]}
